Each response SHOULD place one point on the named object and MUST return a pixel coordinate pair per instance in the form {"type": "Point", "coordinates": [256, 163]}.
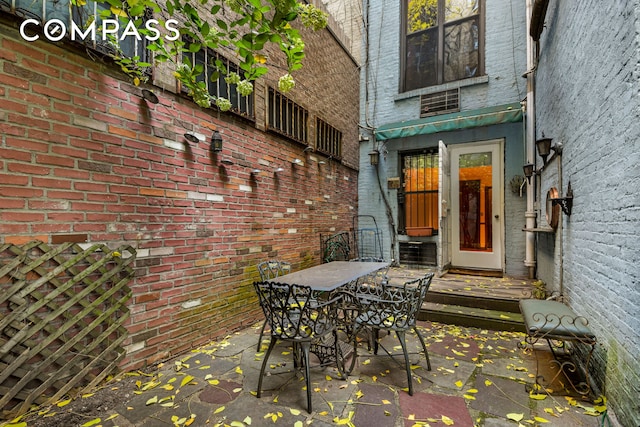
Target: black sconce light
{"type": "Point", "coordinates": [216, 142]}
{"type": "Point", "coordinates": [374, 157]}
{"type": "Point", "coordinates": [544, 148]}
{"type": "Point", "coordinates": [528, 170]}
{"type": "Point", "coordinates": [566, 202]}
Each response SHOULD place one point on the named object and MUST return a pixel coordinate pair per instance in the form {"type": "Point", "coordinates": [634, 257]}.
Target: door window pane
{"type": "Point", "coordinates": [475, 201]}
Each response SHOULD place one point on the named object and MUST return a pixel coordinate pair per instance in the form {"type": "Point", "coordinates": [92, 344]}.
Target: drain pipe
{"type": "Point", "coordinates": [530, 214]}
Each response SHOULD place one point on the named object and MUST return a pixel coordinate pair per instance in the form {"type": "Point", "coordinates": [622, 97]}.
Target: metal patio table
{"type": "Point", "coordinates": [324, 279]}
{"type": "Point", "coordinates": [330, 276]}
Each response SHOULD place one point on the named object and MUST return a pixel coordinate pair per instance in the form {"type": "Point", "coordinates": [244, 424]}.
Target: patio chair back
{"type": "Point", "coordinates": [269, 270]}
{"type": "Point", "coordinates": [392, 307]}
{"type": "Point", "coordinates": [273, 268]}
{"type": "Point", "coordinates": [383, 306]}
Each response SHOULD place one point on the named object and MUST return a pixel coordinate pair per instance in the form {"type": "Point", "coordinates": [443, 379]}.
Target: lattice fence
{"type": "Point", "coordinates": [62, 310]}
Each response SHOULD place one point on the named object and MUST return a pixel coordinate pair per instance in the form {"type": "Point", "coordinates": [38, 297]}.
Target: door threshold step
{"type": "Point", "coordinates": [473, 301]}
{"type": "Point", "coordinates": [472, 317]}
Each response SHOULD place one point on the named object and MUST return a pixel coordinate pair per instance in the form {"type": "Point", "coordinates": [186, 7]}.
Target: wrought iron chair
{"type": "Point", "coordinates": [270, 270]}
{"type": "Point", "coordinates": [387, 307]}
{"type": "Point", "coordinates": [297, 316]}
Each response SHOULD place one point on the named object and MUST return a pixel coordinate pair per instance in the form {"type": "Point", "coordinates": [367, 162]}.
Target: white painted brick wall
{"type": "Point", "coordinates": [588, 98]}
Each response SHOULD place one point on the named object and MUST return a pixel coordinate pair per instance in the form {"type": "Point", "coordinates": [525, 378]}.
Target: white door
{"type": "Point", "coordinates": [476, 205]}
{"type": "Point", "coordinates": [444, 190]}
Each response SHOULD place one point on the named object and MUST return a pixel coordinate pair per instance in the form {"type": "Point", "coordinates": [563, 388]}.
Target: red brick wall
{"type": "Point", "coordinates": [84, 158]}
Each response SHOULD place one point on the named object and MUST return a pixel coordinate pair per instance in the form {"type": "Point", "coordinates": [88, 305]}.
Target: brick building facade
{"type": "Point", "coordinates": [83, 157]}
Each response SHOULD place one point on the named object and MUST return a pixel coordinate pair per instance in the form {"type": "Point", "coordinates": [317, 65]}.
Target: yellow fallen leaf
{"type": "Point", "coordinates": [247, 421]}
{"type": "Point", "coordinates": [218, 410]}
{"type": "Point", "coordinates": [537, 396]}
{"type": "Point", "coordinates": [487, 382]}
{"type": "Point", "coordinates": [63, 403]}
{"type": "Point", "coordinates": [238, 370]}
{"type": "Point", "coordinates": [447, 421]}
{"type": "Point", "coordinates": [112, 416]}
{"type": "Point", "coordinates": [91, 423]}
{"type": "Point", "coordinates": [386, 402]}
{"type": "Point", "coordinates": [458, 383]}
{"type": "Point", "coordinates": [298, 424]}
{"type": "Point", "coordinates": [294, 411]}
{"type": "Point", "coordinates": [541, 420]}
{"type": "Point", "coordinates": [515, 417]}
{"type": "Point", "coordinates": [328, 377]}
{"type": "Point", "coordinates": [472, 390]}
{"type": "Point", "coordinates": [152, 400]}
{"type": "Point", "coordinates": [186, 380]}
{"type": "Point", "coordinates": [469, 397]}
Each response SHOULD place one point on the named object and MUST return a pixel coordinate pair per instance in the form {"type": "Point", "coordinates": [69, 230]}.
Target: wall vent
{"type": "Point", "coordinates": [447, 101]}
{"type": "Point", "coordinates": [418, 253]}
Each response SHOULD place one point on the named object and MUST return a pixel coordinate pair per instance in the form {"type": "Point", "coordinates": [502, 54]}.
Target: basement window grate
{"type": "Point", "coordinates": [447, 101]}
{"type": "Point", "coordinates": [418, 253]}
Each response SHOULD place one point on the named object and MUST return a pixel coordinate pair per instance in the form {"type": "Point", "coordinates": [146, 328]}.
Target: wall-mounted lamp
{"type": "Point", "coordinates": [307, 148]}
{"type": "Point", "coordinates": [374, 157]}
{"type": "Point", "coordinates": [150, 96]}
{"type": "Point", "coordinates": [296, 162]}
{"type": "Point", "coordinates": [255, 171]}
{"type": "Point", "coordinates": [566, 202]}
{"type": "Point", "coordinates": [227, 162]}
{"type": "Point", "coordinates": [191, 138]}
{"type": "Point", "coordinates": [529, 170]}
{"type": "Point", "coordinates": [544, 148]}
{"type": "Point", "coordinates": [278, 170]}
{"type": "Point", "coordinates": [216, 142]}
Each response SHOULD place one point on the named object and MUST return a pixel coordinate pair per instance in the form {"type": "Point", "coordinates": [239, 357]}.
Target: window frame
{"type": "Point", "coordinates": [404, 193]}
{"type": "Point", "coordinates": [300, 115]}
{"type": "Point", "coordinates": [231, 93]}
{"type": "Point", "coordinates": [441, 27]}
{"type": "Point", "coordinates": [328, 139]}
{"type": "Point", "coordinates": [73, 14]}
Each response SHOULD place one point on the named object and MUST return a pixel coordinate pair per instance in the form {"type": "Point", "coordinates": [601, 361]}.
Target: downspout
{"type": "Point", "coordinates": [530, 214]}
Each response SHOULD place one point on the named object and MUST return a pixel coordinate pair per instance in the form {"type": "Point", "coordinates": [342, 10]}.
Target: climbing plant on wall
{"type": "Point", "coordinates": [244, 26]}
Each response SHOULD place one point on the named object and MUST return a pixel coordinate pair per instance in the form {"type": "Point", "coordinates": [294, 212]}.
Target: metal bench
{"type": "Point", "coordinates": [558, 324]}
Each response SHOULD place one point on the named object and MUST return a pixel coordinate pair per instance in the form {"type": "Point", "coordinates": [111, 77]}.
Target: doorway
{"type": "Point", "coordinates": [476, 205]}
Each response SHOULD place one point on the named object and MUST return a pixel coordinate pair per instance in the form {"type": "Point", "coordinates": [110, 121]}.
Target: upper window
{"type": "Point", "coordinates": [210, 63]}
{"type": "Point", "coordinates": [328, 139]}
{"type": "Point", "coordinates": [286, 117]}
{"type": "Point", "coordinates": [443, 42]}
{"type": "Point", "coordinates": [89, 15]}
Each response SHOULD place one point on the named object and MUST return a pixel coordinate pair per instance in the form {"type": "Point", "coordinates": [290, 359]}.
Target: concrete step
{"type": "Point", "coordinates": [472, 316]}
{"type": "Point", "coordinates": [485, 302]}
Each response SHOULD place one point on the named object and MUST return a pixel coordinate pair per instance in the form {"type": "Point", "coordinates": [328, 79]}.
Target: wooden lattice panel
{"type": "Point", "coordinates": [62, 310]}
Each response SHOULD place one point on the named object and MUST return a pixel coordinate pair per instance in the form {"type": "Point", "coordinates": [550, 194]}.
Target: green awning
{"type": "Point", "coordinates": [508, 113]}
